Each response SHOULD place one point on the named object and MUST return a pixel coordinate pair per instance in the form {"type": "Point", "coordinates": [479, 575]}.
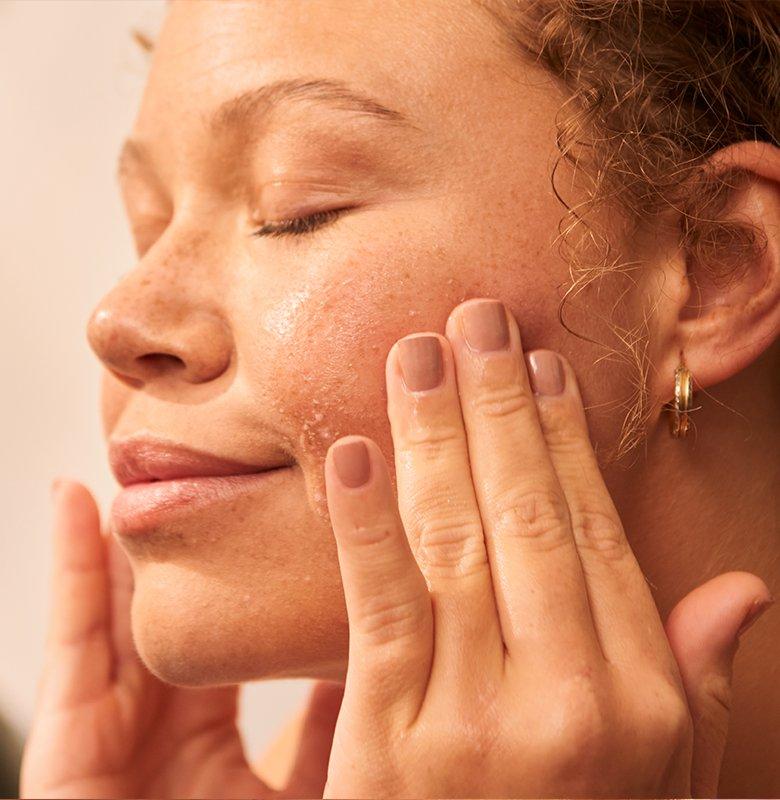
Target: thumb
{"type": "Point", "coordinates": [703, 631]}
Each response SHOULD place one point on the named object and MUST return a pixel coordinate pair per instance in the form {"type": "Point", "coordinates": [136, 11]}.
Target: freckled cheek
{"type": "Point", "coordinates": [328, 369]}
{"type": "Point", "coordinates": [330, 380]}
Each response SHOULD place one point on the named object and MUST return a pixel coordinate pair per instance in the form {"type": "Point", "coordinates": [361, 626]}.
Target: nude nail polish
{"type": "Point", "coordinates": [546, 372]}
{"type": "Point", "coordinates": [485, 326]}
{"type": "Point", "coordinates": [352, 463]}
{"type": "Point", "coordinates": [421, 362]}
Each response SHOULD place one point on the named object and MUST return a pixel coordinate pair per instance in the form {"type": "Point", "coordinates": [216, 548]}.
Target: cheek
{"type": "Point", "coordinates": [328, 371]}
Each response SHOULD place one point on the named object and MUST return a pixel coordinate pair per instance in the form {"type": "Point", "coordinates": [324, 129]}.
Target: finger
{"type": "Point", "coordinates": [626, 617]}
{"type": "Point", "coordinates": [79, 657]}
{"type": "Point", "coordinates": [538, 580]}
{"type": "Point", "coordinates": [310, 767]}
{"type": "Point", "coordinates": [437, 503]}
{"type": "Point", "coordinates": [388, 606]}
{"type": "Point", "coordinates": [704, 630]}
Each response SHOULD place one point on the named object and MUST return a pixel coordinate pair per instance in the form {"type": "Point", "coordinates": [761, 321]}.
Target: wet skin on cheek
{"type": "Point", "coordinates": [329, 379]}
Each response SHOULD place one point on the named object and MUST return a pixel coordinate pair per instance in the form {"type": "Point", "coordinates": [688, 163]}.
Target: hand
{"type": "Point", "coordinates": [105, 726]}
{"type": "Point", "coordinates": [503, 639]}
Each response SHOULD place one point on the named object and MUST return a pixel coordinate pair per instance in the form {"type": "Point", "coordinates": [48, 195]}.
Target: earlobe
{"type": "Point", "coordinates": [728, 318]}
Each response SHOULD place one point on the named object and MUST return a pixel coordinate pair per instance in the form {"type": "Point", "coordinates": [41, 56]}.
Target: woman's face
{"type": "Point", "coordinates": [437, 143]}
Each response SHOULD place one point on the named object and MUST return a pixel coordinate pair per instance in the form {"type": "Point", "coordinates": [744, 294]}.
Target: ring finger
{"type": "Point", "coordinates": [539, 584]}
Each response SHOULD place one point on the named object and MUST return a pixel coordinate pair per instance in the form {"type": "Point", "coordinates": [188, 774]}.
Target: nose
{"type": "Point", "coordinates": [144, 333]}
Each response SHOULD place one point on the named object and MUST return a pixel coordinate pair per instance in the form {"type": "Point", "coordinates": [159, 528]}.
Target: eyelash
{"type": "Point", "coordinates": [300, 225]}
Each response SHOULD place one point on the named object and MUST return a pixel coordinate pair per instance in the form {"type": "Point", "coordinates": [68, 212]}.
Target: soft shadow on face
{"type": "Point", "coordinates": [433, 145]}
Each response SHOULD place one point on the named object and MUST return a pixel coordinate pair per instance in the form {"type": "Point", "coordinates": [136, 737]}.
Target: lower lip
{"type": "Point", "coordinates": [143, 506]}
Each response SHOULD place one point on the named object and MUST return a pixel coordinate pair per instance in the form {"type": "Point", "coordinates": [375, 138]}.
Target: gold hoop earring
{"type": "Point", "coordinates": [682, 405]}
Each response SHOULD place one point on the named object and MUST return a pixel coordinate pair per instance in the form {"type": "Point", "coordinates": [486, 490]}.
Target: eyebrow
{"type": "Point", "coordinates": [254, 106]}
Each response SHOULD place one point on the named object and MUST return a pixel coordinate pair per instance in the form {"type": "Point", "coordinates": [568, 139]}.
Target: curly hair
{"type": "Point", "coordinates": [655, 88]}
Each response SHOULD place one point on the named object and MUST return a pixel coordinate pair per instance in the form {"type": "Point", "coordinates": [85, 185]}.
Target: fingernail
{"type": "Point", "coordinates": [484, 326]}
{"type": "Point", "coordinates": [546, 372]}
{"type": "Point", "coordinates": [352, 463]}
{"type": "Point", "coordinates": [421, 362]}
{"type": "Point", "coordinates": [756, 610]}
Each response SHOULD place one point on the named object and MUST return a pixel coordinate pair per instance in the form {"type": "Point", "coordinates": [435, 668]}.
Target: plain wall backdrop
{"type": "Point", "coordinates": [70, 82]}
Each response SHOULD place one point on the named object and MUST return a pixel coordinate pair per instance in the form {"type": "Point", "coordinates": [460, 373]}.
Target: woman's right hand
{"type": "Point", "coordinates": [104, 726]}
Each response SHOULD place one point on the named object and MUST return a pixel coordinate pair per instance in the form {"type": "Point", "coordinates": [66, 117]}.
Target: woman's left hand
{"type": "Point", "coordinates": [503, 639]}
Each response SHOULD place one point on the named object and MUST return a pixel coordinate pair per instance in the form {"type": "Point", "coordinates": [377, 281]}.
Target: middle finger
{"type": "Point", "coordinates": [538, 580]}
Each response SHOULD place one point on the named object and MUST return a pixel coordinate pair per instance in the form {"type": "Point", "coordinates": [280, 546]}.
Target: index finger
{"type": "Point", "coordinates": [78, 648]}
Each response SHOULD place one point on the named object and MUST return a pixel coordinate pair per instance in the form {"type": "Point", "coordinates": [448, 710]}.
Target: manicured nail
{"type": "Point", "coordinates": [756, 610]}
{"type": "Point", "coordinates": [353, 466]}
{"type": "Point", "coordinates": [421, 362]}
{"type": "Point", "coordinates": [546, 372]}
{"type": "Point", "coordinates": [484, 326]}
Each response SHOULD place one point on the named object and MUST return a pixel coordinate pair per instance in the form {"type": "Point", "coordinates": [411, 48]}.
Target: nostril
{"type": "Point", "coordinates": [158, 363]}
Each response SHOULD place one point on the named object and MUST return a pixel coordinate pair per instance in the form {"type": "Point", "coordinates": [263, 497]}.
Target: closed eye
{"type": "Point", "coordinates": [300, 225]}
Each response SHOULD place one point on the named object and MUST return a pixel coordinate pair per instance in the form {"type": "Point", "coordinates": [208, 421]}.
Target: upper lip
{"type": "Point", "coordinates": [144, 459]}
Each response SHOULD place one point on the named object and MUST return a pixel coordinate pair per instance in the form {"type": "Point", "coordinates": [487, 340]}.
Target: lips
{"type": "Point", "coordinates": [146, 460]}
{"type": "Point", "coordinates": [162, 479]}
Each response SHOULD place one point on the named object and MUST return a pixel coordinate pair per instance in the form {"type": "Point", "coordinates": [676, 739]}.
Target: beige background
{"type": "Point", "coordinates": [70, 81]}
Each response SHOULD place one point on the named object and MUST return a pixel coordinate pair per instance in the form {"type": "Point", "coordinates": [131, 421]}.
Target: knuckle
{"type": "Point", "coordinates": [472, 743]}
{"type": "Point", "coordinates": [718, 688]}
{"type": "Point", "coordinates": [384, 620]}
{"type": "Point", "coordinates": [666, 720]}
{"type": "Point", "coordinates": [373, 533]}
{"type": "Point", "coordinates": [499, 401]}
{"type": "Point", "coordinates": [428, 438]}
{"type": "Point", "coordinates": [584, 726]}
{"type": "Point", "coordinates": [599, 531]}
{"type": "Point", "coordinates": [679, 721]}
{"type": "Point", "coordinates": [451, 544]}
{"type": "Point", "coordinates": [561, 428]}
{"type": "Point", "coordinates": [539, 515]}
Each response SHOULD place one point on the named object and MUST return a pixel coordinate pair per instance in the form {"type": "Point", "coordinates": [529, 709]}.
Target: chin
{"type": "Point", "coordinates": [193, 629]}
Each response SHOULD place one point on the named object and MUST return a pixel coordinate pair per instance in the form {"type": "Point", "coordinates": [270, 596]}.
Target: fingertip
{"type": "Point", "coordinates": [348, 462]}
{"type": "Point", "coordinates": [76, 527]}
{"type": "Point", "coordinates": [712, 616]}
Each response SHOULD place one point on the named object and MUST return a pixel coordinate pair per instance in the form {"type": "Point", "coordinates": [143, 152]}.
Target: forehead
{"type": "Point", "coordinates": [418, 57]}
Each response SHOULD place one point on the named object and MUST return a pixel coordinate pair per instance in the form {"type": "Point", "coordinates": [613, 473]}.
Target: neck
{"type": "Point", "coordinates": [697, 507]}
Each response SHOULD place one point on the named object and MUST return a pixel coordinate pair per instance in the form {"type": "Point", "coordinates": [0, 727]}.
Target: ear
{"type": "Point", "coordinates": [725, 322]}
